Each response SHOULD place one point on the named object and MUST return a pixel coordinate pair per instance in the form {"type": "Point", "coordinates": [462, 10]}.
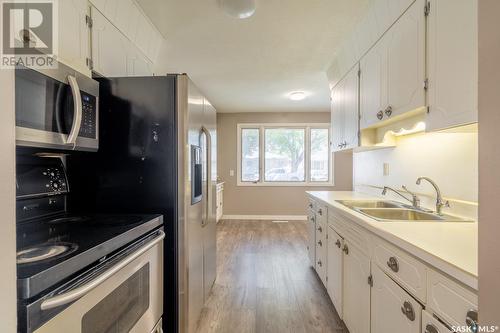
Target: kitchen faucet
{"type": "Point", "coordinates": [415, 201]}
{"type": "Point", "coordinates": [440, 203]}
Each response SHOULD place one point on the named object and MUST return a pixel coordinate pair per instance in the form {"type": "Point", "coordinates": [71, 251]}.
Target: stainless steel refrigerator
{"type": "Point", "coordinates": [158, 154]}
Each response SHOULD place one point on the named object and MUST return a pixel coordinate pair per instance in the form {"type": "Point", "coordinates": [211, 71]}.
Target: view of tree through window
{"type": "Point", "coordinates": [284, 155]}
{"type": "Point", "coordinates": [320, 162]}
{"type": "Point", "coordinates": [250, 159]}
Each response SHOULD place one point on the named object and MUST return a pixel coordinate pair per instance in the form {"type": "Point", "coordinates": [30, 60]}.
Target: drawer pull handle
{"type": "Point", "coordinates": [380, 115]}
{"type": "Point", "coordinates": [320, 243]}
{"type": "Point", "coordinates": [320, 263]}
{"type": "Point", "coordinates": [320, 212]}
{"type": "Point", "coordinates": [388, 111]}
{"type": "Point", "coordinates": [320, 229]}
{"type": "Point", "coordinates": [310, 205]}
{"type": "Point", "coordinates": [338, 243]}
{"type": "Point", "coordinates": [346, 249]}
{"type": "Point", "coordinates": [471, 321]}
{"type": "Point", "coordinates": [408, 311]}
{"type": "Point", "coordinates": [431, 329]}
{"type": "Point", "coordinates": [393, 264]}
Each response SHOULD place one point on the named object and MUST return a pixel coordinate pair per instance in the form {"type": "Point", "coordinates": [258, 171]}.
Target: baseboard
{"type": "Point", "coordinates": [266, 217]}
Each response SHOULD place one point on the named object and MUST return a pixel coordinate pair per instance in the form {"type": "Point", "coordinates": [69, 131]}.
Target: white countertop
{"type": "Point", "coordinates": [451, 247]}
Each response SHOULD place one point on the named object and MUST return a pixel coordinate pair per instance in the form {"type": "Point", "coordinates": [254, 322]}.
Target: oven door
{"type": "Point", "coordinates": [56, 108]}
{"type": "Point", "coordinates": [126, 297]}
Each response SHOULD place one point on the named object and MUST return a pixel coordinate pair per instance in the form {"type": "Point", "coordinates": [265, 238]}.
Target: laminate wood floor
{"type": "Point", "coordinates": [265, 283]}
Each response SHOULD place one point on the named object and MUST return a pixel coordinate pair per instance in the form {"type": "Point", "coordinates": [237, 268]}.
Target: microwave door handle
{"type": "Point", "coordinates": [78, 112]}
{"type": "Point", "coordinates": [208, 202]}
{"type": "Point", "coordinates": [81, 291]}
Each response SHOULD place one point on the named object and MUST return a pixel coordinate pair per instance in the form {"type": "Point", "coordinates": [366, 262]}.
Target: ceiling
{"type": "Point", "coordinates": [251, 65]}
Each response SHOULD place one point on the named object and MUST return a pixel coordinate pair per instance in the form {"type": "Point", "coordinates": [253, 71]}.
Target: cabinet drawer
{"type": "Point", "coordinates": [409, 272]}
{"type": "Point", "coordinates": [432, 325]}
{"type": "Point", "coordinates": [449, 300]}
{"type": "Point", "coordinates": [355, 234]}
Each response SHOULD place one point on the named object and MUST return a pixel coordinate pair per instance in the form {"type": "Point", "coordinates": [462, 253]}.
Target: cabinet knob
{"type": "Point", "coordinates": [431, 329]}
{"type": "Point", "coordinates": [408, 311]}
{"type": "Point", "coordinates": [471, 321]}
{"type": "Point", "coordinates": [320, 263]}
{"type": "Point", "coordinates": [346, 249]}
{"type": "Point", "coordinates": [393, 264]}
{"type": "Point", "coordinates": [320, 243]}
{"type": "Point", "coordinates": [310, 205]}
{"type": "Point", "coordinates": [388, 111]}
{"type": "Point", "coordinates": [380, 115]}
{"type": "Point", "coordinates": [338, 243]}
{"type": "Point", "coordinates": [320, 212]}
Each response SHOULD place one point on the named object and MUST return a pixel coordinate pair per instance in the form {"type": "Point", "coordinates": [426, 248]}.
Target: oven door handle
{"type": "Point", "coordinates": [81, 291]}
{"type": "Point", "coordinates": [78, 111]}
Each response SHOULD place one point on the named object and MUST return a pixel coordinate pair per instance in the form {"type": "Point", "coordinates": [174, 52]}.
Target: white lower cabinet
{"type": "Point", "coordinates": [356, 311]}
{"type": "Point", "coordinates": [392, 308]}
{"type": "Point", "coordinates": [311, 245]}
{"type": "Point", "coordinates": [335, 269]}
{"type": "Point", "coordinates": [432, 325]}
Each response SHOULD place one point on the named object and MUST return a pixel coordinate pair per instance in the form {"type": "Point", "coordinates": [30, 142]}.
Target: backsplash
{"type": "Point", "coordinates": [450, 159]}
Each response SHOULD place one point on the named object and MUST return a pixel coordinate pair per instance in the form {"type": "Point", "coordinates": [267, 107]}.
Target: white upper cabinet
{"type": "Point", "coordinates": [405, 42]}
{"type": "Point", "coordinates": [345, 112]}
{"type": "Point", "coordinates": [373, 85]}
{"type": "Point", "coordinates": [109, 47]}
{"type": "Point", "coordinates": [393, 71]}
{"type": "Point", "coordinates": [392, 309]}
{"type": "Point", "coordinates": [452, 63]}
{"type": "Point", "coordinates": [74, 35]}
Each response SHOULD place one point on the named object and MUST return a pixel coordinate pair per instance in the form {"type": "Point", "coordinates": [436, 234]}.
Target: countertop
{"type": "Point", "coordinates": [451, 247]}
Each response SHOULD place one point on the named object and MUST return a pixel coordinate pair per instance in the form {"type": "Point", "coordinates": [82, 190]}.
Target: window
{"type": "Point", "coordinates": [284, 154]}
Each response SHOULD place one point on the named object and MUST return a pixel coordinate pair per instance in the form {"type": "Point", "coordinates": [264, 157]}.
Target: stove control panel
{"type": "Point", "coordinates": [41, 177]}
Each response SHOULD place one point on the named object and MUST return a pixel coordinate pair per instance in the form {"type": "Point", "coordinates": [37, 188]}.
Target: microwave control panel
{"type": "Point", "coordinates": [89, 116]}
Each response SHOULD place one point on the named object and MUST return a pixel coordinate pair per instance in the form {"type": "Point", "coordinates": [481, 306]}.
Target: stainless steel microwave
{"type": "Point", "coordinates": [56, 108]}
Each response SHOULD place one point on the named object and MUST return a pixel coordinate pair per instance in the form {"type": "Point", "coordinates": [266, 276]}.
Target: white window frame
{"type": "Point", "coordinates": [307, 155]}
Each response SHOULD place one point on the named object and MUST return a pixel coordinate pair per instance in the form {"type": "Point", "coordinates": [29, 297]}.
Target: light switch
{"type": "Point", "coordinates": [231, 173]}
{"type": "Point", "coordinates": [386, 169]}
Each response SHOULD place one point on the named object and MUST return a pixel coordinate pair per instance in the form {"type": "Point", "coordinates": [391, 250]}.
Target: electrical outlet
{"type": "Point", "coordinates": [386, 169]}
{"type": "Point", "coordinates": [231, 173]}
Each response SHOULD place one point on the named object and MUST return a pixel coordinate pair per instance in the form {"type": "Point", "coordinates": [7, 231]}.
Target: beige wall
{"type": "Point", "coordinates": [7, 204]}
{"type": "Point", "coordinates": [240, 200]}
{"type": "Point", "coordinates": [489, 162]}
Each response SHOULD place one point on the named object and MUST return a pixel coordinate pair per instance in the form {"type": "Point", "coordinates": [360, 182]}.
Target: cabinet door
{"type": "Point", "coordinates": [373, 94]}
{"type": "Point", "coordinates": [74, 35]}
{"type": "Point", "coordinates": [321, 250]}
{"type": "Point", "coordinates": [452, 63]}
{"type": "Point", "coordinates": [311, 246]}
{"type": "Point", "coordinates": [388, 304]}
{"type": "Point", "coordinates": [335, 269]}
{"type": "Point", "coordinates": [356, 290]}
{"type": "Point", "coordinates": [432, 325]}
{"type": "Point", "coordinates": [405, 42]}
{"type": "Point", "coordinates": [109, 47]}
{"type": "Point", "coordinates": [337, 109]}
{"type": "Point", "coordinates": [351, 109]}
{"type": "Point", "coordinates": [137, 63]}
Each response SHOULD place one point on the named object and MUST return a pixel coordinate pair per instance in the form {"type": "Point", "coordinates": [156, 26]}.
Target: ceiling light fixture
{"type": "Point", "coordinates": [241, 9]}
{"type": "Point", "coordinates": [297, 95]}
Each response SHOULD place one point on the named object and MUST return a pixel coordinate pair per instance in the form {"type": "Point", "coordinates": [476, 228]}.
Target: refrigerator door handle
{"type": "Point", "coordinates": [208, 201]}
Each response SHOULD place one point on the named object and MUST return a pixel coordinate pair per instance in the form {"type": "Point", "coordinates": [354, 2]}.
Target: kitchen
{"type": "Point", "coordinates": [318, 167]}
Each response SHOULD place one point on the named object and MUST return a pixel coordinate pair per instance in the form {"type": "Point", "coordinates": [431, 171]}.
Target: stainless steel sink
{"type": "Point", "coordinates": [370, 204]}
{"type": "Point", "coordinates": [407, 215]}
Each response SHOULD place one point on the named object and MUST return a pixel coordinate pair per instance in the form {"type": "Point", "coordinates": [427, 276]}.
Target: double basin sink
{"type": "Point", "coordinates": [392, 211]}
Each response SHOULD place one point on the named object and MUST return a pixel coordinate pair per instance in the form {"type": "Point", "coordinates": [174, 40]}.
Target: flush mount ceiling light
{"type": "Point", "coordinates": [297, 95]}
{"type": "Point", "coordinates": [241, 9]}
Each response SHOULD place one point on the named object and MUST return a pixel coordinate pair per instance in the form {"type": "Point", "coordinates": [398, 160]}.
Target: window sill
{"type": "Point", "coordinates": [284, 184]}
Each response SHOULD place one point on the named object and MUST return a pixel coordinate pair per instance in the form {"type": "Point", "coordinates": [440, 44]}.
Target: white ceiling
{"type": "Point", "coordinates": [251, 65]}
